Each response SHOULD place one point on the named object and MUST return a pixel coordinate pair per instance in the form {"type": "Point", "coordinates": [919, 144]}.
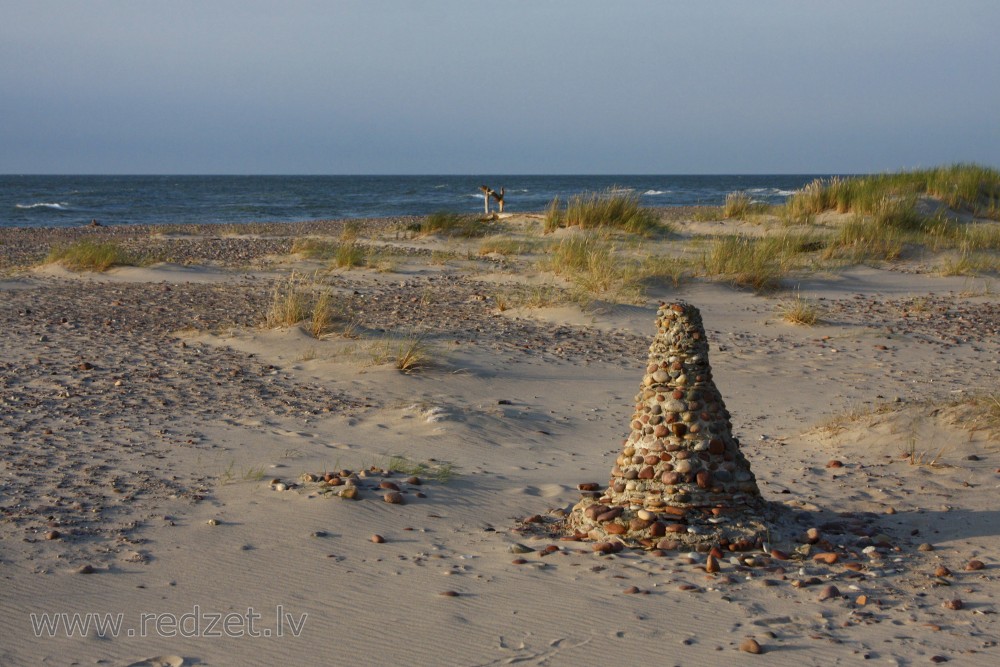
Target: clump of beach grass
{"type": "Point", "coordinates": [740, 206]}
{"type": "Point", "coordinates": [349, 255]}
{"type": "Point", "coordinates": [612, 209]}
{"type": "Point", "coordinates": [590, 262]}
{"type": "Point", "coordinates": [745, 261]}
{"type": "Point", "coordinates": [299, 300]}
{"type": "Point", "coordinates": [291, 302]}
{"type": "Point", "coordinates": [878, 235]}
{"type": "Point", "coordinates": [88, 255]}
{"type": "Point", "coordinates": [314, 248]}
{"type": "Point", "coordinates": [342, 254]}
{"type": "Point", "coordinates": [799, 310]}
{"type": "Point", "coordinates": [408, 353]}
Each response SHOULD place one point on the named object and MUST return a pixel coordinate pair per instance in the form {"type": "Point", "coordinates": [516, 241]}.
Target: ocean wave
{"type": "Point", "coordinates": [42, 204]}
{"type": "Point", "coordinates": [787, 193]}
{"type": "Point", "coordinates": [653, 193]}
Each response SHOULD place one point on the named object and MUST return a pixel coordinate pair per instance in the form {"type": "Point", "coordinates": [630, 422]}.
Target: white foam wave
{"type": "Point", "coordinates": [42, 204]}
{"type": "Point", "coordinates": [653, 193]}
{"type": "Point", "coordinates": [787, 193]}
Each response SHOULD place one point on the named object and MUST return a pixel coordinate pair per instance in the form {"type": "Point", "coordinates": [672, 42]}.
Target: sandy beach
{"type": "Point", "coordinates": [164, 450]}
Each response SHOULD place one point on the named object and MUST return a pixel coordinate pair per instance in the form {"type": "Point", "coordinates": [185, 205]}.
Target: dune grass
{"type": "Point", "coordinates": [340, 254]}
{"type": "Point", "coordinates": [612, 209]}
{"type": "Point", "coordinates": [502, 245]}
{"type": "Point", "coordinates": [740, 206]}
{"type": "Point", "coordinates": [88, 255]}
{"type": "Point", "coordinates": [592, 264]}
{"type": "Point", "coordinates": [453, 224]}
{"type": "Point", "coordinates": [299, 300]}
{"type": "Point", "coordinates": [759, 263]}
{"type": "Point", "coordinates": [408, 353]}
{"type": "Point", "coordinates": [798, 310]}
{"type": "Point", "coordinates": [960, 186]}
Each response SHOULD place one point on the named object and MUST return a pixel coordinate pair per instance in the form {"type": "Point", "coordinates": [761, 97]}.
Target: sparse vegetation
{"type": "Point", "coordinates": [349, 255]}
{"type": "Point", "coordinates": [740, 206]}
{"type": "Point", "coordinates": [799, 311]}
{"type": "Point", "coordinates": [408, 354]}
{"type": "Point", "coordinates": [613, 209]}
{"type": "Point", "coordinates": [453, 224]}
{"type": "Point", "coordinates": [90, 255]}
{"type": "Point", "coordinates": [591, 263]}
{"type": "Point", "coordinates": [528, 296]}
{"type": "Point", "coordinates": [501, 245]}
{"type": "Point", "coordinates": [314, 248]}
{"type": "Point", "coordinates": [296, 299]}
{"type": "Point", "coordinates": [439, 471]}
{"type": "Point", "coordinates": [745, 262]}
{"type": "Point", "coordinates": [291, 302]}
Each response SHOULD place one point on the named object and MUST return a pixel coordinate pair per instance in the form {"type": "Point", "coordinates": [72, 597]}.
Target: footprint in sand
{"type": "Point", "coordinates": [545, 490]}
{"type": "Point", "coordinates": [161, 661]}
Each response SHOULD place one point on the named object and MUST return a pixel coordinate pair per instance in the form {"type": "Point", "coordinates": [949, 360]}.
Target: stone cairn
{"type": "Point", "coordinates": [681, 480]}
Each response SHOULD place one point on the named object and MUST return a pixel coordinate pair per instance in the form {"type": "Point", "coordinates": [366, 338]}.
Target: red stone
{"type": "Point", "coordinates": [636, 525]}
{"type": "Point", "coordinates": [609, 515]}
{"type": "Point", "coordinates": [613, 528]}
{"type": "Point", "coordinates": [716, 446]}
{"type": "Point", "coordinates": [647, 473]}
{"type": "Point", "coordinates": [704, 479]}
{"type": "Point", "coordinates": [676, 528]}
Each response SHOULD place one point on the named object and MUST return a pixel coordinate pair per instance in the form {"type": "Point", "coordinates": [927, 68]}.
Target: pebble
{"type": "Point", "coordinates": [955, 604]}
{"type": "Point", "coordinates": [942, 571]}
{"type": "Point", "coordinates": [829, 592]}
{"type": "Point", "coordinates": [631, 590]}
{"type": "Point", "coordinates": [450, 594]}
{"type": "Point", "coordinates": [925, 547]}
{"type": "Point", "coordinates": [974, 565]}
{"type": "Point", "coordinates": [750, 645]}
{"type": "Point", "coordinates": [711, 564]}
{"type": "Point", "coordinates": [86, 569]}
{"type": "Point", "coordinates": [53, 535]}
{"type": "Point", "coordinates": [393, 498]}
{"type": "Point", "coordinates": [518, 548]}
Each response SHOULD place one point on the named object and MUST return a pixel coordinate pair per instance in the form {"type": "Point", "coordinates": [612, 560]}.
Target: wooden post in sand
{"type": "Point", "coordinates": [499, 198]}
{"type": "Point", "coordinates": [486, 197]}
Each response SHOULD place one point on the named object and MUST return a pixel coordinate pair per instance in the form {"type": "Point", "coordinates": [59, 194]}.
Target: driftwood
{"type": "Point", "coordinates": [490, 192]}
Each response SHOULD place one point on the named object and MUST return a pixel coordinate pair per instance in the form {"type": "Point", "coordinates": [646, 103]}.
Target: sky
{"type": "Point", "coordinates": [502, 87]}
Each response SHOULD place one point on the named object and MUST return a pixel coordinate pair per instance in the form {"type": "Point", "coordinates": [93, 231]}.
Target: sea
{"type": "Point", "coordinates": [70, 201]}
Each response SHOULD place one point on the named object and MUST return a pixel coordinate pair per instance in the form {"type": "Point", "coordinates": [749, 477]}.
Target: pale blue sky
{"type": "Point", "coordinates": [533, 86]}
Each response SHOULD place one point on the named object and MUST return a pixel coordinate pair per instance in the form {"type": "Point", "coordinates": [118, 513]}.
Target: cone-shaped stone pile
{"type": "Point", "coordinates": [681, 479]}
